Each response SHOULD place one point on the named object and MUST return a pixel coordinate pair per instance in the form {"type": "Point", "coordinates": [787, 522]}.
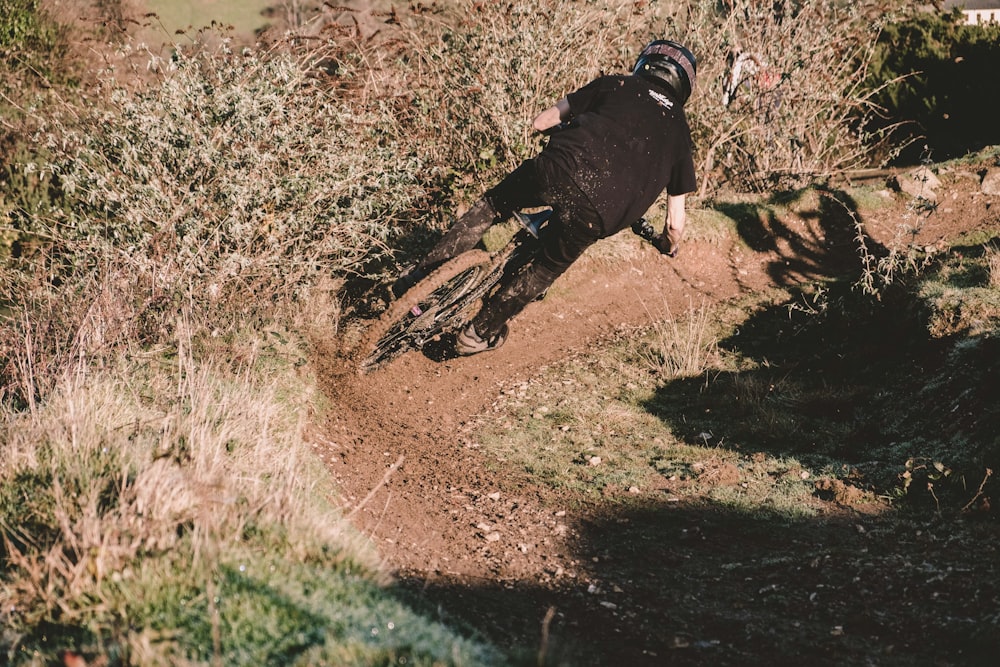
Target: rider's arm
{"type": "Point", "coordinates": [673, 228]}
{"type": "Point", "coordinates": [552, 116]}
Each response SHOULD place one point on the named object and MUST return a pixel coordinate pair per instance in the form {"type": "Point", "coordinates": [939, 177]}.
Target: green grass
{"type": "Point", "coordinates": [961, 292]}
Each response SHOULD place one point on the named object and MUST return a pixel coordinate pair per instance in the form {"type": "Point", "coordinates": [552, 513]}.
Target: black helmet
{"type": "Point", "coordinates": [668, 63]}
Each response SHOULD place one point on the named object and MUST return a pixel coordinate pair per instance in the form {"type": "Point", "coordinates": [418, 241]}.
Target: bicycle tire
{"type": "Point", "coordinates": [439, 297]}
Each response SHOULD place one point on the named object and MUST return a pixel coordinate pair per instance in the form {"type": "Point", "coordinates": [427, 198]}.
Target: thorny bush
{"type": "Point", "coordinates": [235, 182]}
{"type": "Point", "coordinates": [226, 190]}
{"type": "Point", "coordinates": [796, 108]}
{"type": "Point", "coordinates": [784, 97]}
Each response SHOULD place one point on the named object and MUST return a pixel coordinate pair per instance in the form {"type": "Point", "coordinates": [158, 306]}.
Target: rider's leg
{"type": "Point", "coordinates": [572, 229]}
{"type": "Point", "coordinates": [462, 236]}
{"type": "Point", "coordinates": [517, 190]}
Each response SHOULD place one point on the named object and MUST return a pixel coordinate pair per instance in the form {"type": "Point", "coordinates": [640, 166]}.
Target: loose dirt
{"type": "Point", "coordinates": [651, 582]}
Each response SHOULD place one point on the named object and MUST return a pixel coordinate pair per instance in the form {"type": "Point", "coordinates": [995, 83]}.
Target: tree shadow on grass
{"type": "Point", "coordinates": [816, 371]}
{"type": "Point", "coordinates": [817, 380]}
{"type": "Point", "coordinates": [839, 378]}
{"type": "Point", "coordinates": [704, 584]}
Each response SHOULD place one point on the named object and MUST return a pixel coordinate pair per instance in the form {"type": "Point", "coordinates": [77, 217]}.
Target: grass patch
{"type": "Point", "coordinates": [586, 426]}
{"type": "Point", "coordinates": [164, 538]}
{"type": "Point", "coordinates": [961, 294]}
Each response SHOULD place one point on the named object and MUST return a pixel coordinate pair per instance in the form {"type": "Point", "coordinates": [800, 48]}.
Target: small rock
{"type": "Point", "coordinates": [492, 537]}
{"type": "Point", "coordinates": [991, 182]}
{"type": "Point", "coordinates": [594, 460]}
{"type": "Point", "coordinates": [920, 182]}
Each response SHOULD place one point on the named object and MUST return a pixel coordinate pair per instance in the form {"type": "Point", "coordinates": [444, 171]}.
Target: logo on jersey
{"type": "Point", "coordinates": [662, 99]}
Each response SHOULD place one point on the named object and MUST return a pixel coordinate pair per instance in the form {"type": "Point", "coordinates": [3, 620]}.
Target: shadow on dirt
{"type": "Point", "coordinates": [834, 376]}
{"type": "Point", "coordinates": [676, 584]}
{"type": "Point", "coordinates": [818, 242]}
{"type": "Point", "coordinates": [820, 380]}
{"type": "Point", "coordinates": [839, 381]}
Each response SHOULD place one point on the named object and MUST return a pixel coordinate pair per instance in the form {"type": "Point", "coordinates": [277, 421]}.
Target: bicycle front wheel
{"type": "Point", "coordinates": [442, 301]}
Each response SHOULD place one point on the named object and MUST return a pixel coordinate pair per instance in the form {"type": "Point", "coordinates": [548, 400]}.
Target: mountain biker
{"type": "Point", "coordinates": [614, 145]}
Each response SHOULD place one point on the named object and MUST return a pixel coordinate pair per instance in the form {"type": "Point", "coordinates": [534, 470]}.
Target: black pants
{"type": "Point", "coordinates": [573, 227]}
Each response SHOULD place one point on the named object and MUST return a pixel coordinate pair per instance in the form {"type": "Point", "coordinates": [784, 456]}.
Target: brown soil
{"type": "Point", "coordinates": [573, 581]}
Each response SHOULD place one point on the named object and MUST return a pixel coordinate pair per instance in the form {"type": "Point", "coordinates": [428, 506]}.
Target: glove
{"type": "Point", "coordinates": [667, 244]}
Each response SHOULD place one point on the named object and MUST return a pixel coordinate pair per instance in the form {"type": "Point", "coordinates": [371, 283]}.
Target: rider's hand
{"type": "Point", "coordinates": [666, 243]}
{"type": "Point", "coordinates": [670, 241]}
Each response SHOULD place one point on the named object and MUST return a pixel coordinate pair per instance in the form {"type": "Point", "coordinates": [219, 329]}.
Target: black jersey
{"type": "Point", "coordinates": [627, 142]}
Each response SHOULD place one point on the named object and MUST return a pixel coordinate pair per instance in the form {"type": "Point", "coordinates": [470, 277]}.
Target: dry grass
{"type": "Point", "coordinates": [151, 458]}
{"type": "Point", "coordinates": [683, 346]}
{"type": "Point", "coordinates": [171, 511]}
{"type": "Point", "coordinates": [993, 263]}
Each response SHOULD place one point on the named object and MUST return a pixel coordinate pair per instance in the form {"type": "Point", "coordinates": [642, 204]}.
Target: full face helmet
{"type": "Point", "coordinates": [669, 63]}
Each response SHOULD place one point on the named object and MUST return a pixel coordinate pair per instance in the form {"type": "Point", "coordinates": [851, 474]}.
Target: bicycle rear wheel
{"type": "Point", "coordinates": [442, 301]}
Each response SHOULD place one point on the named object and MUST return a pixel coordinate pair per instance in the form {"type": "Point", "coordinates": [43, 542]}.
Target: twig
{"type": "Point", "coordinates": [982, 484]}
{"type": "Point", "coordinates": [937, 503]}
{"type": "Point", "coordinates": [371, 494]}
{"type": "Point", "coordinates": [544, 648]}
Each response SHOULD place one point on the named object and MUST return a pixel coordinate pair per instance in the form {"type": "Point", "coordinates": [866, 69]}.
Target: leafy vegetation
{"type": "Point", "coordinates": [28, 36]}
{"type": "Point", "coordinates": [940, 63]}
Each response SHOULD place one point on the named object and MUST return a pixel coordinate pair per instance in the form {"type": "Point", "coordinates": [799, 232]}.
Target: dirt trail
{"type": "Point", "coordinates": [484, 546]}
{"type": "Point", "coordinates": [424, 515]}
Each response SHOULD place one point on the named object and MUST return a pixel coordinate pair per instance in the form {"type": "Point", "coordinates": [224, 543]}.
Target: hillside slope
{"type": "Point", "coordinates": [657, 576]}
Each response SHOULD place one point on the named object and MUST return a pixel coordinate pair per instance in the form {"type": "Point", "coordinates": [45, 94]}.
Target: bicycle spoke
{"type": "Point", "coordinates": [413, 322]}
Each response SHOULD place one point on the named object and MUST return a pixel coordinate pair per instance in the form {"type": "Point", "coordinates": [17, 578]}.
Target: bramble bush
{"type": "Point", "coordinates": [230, 184]}
{"type": "Point", "coordinates": [478, 81]}
{"type": "Point", "coordinates": [801, 110]}
{"type": "Point", "coordinates": [473, 86]}
{"type": "Point", "coordinates": [228, 188]}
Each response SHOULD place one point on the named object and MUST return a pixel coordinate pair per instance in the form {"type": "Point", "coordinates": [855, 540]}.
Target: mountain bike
{"type": "Point", "coordinates": [450, 296]}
